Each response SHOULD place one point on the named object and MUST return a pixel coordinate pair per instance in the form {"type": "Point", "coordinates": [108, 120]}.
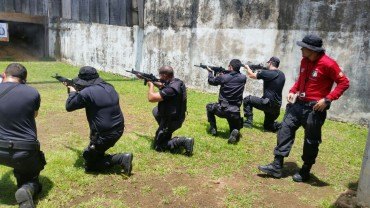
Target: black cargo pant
{"type": "Point", "coordinates": [27, 165]}
{"type": "Point", "coordinates": [94, 154]}
{"type": "Point", "coordinates": [296, 115]}
{"type": "Point", "coordinates": [163, 136]}
{"type": "Point", "coordinates": [230, 112]}
{"type": "Point", "coordinates": [271, 111]}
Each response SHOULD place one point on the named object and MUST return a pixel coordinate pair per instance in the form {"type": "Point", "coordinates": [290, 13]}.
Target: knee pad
{"type": "Point", "coordinates": [210, 107]}
{"type": "Point", "coordinates": [246, 100]}
{"type": "Point", "coordinates": [86, 154]}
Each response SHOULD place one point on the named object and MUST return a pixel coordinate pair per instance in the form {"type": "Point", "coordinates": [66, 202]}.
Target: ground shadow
{"type": "Point", "coordinates": [151, 140]}
{"type": "Point", "coordinates": [79, 163]}
{"type": "Point", "coordinates": [290, 168]}
{"type": "Point", "coordinates": [148, 138]}
{"type": "Point", "coordinates": [257, 125]}
{"type": "Point", "coordinates": [224, 134]}
{"type": "Point", "coordinates": [8, 188]}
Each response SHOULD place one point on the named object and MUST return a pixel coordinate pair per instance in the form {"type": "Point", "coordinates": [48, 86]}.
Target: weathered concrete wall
{"type": "Point", "coordinates": [106, 47]}
{"type": "Point", "coordinates": [363, 190]}
{"type": "Point", "coordinates": [182, 33]}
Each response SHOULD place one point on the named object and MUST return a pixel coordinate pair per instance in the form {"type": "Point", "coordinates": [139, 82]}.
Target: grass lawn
{"type": "Point", "coordinates": [218, 174]}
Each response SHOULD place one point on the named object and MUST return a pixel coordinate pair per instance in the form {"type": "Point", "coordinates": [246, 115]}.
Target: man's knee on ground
{"type": "Point", "coordinates": [210, 107]}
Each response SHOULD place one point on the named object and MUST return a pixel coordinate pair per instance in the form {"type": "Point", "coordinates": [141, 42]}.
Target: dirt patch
{"type": "Point", "coordinates": [172, 190]}
{"type": "Point", "coordinates": [17, 52]}
{"type": "Point", "coordinates": [348, 200]}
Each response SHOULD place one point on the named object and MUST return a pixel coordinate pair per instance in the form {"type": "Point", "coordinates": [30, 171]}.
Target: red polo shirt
{"type": "Point", "coordinates": [316, 79]}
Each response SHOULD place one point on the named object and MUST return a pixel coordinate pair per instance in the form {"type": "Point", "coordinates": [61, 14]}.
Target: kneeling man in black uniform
{"type": "Point", "coordinates": [270, 102]}
{"type": "Point", "coordinates": [170, 112]}
{"type": "Point", "coordinates": [19, 147]}
{"type": "Point", "coordinates": [105, 118]}
{"type": "Point", "coordinates": [229, 100]}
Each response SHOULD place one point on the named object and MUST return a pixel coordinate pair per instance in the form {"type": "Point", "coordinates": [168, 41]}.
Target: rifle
{"type": "Point", "coordinates": [146, 77]}
{"type": "Point", "coordinates": [69, 82]}
{"type": "Point", "coordinates": [255, 67]}
{"type": "Point", "coordinates": [216, 70]}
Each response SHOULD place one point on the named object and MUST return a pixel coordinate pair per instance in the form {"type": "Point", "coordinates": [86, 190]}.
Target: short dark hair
{"type": "Point", "coordinates": [275, 61]}
{"type": "Point", "coordinates": [235, 64]}
{"type": "Point", "coordinates": [168, 70]}
{"type": "Point", "coordinates": [16, 70]}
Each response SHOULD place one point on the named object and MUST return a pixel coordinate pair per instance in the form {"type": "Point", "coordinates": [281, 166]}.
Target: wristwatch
{"type": "Point", "coordinates": [327, 101]}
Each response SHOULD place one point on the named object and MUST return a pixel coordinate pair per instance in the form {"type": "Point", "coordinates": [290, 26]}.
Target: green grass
{"type": "Point", "coordinates": [218, 174]}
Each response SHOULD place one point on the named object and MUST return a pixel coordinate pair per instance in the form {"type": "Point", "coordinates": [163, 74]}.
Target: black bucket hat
{"type": "Point", "coordinates": [87, 76]}
{"type": "Point", "coordinates": [312, 42]}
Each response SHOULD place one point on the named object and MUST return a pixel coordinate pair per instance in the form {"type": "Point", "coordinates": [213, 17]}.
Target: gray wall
{"type": "Point", "coordinates": [183, 33]}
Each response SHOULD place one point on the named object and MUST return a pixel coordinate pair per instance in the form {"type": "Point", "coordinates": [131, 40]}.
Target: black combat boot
{"type": "Point", "coordinates": [178, 142]}
{"type": "Point", "coordinates": [189, 144]}
{"type": "Point", "coordinates": [125, 161]}
{"type": "Point", "coordinates": [24, 196]}
{"type": "Point", "coordinates": [304, 173]}
{"type": "Point", "coordinates": [275, 168]}
{"type": "Point", "coordinates": [248, 122]}
{"type": "Point", "coordinates": [234, 137]}
{"type": "Point", "coordinates": [213, 128]}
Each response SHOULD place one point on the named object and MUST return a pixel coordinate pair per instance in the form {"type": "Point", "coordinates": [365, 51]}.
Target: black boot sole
{"type": "Point", "coordinates": [24, 198]}
{"type": "Point", "coordinates": [233, 139]}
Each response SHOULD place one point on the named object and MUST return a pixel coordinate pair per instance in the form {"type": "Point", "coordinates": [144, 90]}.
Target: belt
{"type": "Point", "coordinates": [19, 145]}
{"type": "Point", "coordinates": [306, 103]}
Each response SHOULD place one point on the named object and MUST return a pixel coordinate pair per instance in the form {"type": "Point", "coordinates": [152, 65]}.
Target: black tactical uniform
{"type": "Point", "coordinates": [269, 103]}
{"type": "Point", "coordinates": [105, 118]}
{"type": "Point", "coordinates": [19, 147]}
{"type": "Point", "coordinates": [229, 102]}
{"type": "Point", "coordinates": [170, 114]}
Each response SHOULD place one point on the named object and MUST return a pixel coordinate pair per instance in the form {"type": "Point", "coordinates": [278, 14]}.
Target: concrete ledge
{"type": "Point", "coordinates": [19, 17]}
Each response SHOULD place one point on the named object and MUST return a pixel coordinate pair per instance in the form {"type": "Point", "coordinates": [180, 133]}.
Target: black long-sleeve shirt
{"type": "Point", "coordinates": [232, 86]}
{"type": "Point", "coordinates": [101, 102]}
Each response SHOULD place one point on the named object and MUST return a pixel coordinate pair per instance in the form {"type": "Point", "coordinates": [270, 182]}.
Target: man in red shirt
{"type": "Point", "coordinates": [308, 100]}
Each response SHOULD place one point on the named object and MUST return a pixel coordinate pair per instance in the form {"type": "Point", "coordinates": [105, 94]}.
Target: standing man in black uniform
{"type": "Point", "coordinates": [170, 112]}
{"type": "Point", "coordinates": [19, 147]}
{"type": "Point", "coordinates": [229, 100]}
{"type": "Point", "coordinates": [105, 118]}
{"type": "Point", "coordinates": [270, 102]}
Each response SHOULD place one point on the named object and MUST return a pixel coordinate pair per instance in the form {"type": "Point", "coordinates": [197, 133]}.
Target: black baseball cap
{"type": "Point", "coordinates": [274, 59]}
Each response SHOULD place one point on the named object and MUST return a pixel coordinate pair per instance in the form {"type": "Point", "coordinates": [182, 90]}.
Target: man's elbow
{"type": "Point", "coordinates": [152, 100]}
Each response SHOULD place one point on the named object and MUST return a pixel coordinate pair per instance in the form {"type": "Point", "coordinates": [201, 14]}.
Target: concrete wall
{"type": "Point", "coordinates": [182, 33]}
{"type": "Point", "coordinates": [363, 190]}
{"type": "Point", "coordinates": [106, 47]}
